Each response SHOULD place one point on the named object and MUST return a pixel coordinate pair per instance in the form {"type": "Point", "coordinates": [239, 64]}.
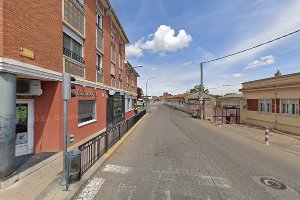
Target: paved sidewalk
{"type": "Point", "coordinates": [282, 141]}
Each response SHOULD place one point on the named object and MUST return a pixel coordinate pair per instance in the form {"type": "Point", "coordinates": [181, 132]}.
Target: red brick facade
{"type": "Point", "coordinates": [39, 27]}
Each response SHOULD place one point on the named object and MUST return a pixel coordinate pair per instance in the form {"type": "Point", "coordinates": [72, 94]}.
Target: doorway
{"type": "Point", "coordinates": [24, 127]}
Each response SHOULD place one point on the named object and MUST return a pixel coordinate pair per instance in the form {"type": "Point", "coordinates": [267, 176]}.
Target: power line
{"type": "Point", "coordinates": [242, 51]}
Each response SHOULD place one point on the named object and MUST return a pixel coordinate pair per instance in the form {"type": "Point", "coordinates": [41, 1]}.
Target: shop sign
{"type": "Point", "coordinates": [26, 53]}
{"type": "Point", "coordinates": [82, 93]}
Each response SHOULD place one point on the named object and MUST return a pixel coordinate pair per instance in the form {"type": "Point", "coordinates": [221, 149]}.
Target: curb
{"type": "Point", "coordinates": [85, 178]}
{"type": "Point", "coordinates": [260, 142]}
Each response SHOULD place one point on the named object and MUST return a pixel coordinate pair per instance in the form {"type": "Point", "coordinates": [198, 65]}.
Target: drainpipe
{"type": "Point", "coordinates": [275, 124]}
{"type": "Point", "coordinates": [8, 84]}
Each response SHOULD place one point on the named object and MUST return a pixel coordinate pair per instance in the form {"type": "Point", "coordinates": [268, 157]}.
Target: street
{"type": "Point", "coordinates": [173, 156]}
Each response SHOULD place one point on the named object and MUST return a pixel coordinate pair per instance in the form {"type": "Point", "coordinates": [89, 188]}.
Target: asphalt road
{"type": "Point", "coordinates": [173, 156]}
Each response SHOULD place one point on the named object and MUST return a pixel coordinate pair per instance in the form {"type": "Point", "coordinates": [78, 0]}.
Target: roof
{"type": "Point", "coordinates": [178, 96]}
{"type": "Point", "coordinates": [240, 95]}
{"type": "Point", "coordinates": [272, 78]}
{"type": "Point", "coordinates": [117, 20]}
{"type": "Point", "coordinates": [196, 96]}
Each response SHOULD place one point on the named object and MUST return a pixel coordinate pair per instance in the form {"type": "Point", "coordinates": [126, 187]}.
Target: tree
{"type": "Point", "coordinates": [140, 93]}
{"type": "Point", "coordinates": [197, 89]}
{"type": "Point", "coordinates": [230, 93]}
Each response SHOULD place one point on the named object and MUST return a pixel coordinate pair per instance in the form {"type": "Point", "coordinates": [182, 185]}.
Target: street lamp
{"type": "Point", "coordinates": [139, 66]}
{"type": "Point", "coordinates": [147, 84]}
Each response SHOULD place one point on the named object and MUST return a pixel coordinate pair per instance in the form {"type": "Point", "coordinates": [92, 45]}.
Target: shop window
{"type": "Point", "coordinates": [86, 111]}
{"type": "Point", "coordinates": [265, 105]}
{"type": "Point", "coordinates": [289, 107]}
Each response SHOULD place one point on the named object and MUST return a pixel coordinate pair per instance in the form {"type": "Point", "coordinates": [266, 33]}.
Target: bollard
{"type": "Point", "coordinates": [220, 121]}
{"type": "Point", "coordinates": [267, 136]}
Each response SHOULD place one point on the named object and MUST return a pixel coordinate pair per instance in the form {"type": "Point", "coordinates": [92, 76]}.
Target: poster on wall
{"type": "Point", "coordinates": [21, 124]}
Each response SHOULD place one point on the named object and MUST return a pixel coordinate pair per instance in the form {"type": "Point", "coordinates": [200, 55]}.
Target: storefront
{"type": "Point", "coordinates": [115, 108]}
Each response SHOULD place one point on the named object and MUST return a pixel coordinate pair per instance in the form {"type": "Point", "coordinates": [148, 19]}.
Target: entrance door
{"type": "Point", "coordinates": [24, 127]}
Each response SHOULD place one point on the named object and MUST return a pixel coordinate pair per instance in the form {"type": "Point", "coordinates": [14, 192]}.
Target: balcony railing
{"type": "Point", "coordinates": [73, 55]}
{"type": "Point", "coordinates": [113, 82]}
{"type": "Point", "coordinates": [80, 4]}
{"type": "Point", "coordinates": [100, 76]}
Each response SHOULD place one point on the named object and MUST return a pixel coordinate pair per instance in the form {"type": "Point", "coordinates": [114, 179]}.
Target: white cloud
{"type": "Point", "coordinates": [263, 61]}
{"type": "Point", "coordinates": [134, 50]}
{"type": "Point", "coordinates": [237, 75]}
{"type": "Point", "coordinates": [163, 40]}
{"type": "Point", "coordinates": [187, 63]}
{"type": "Point", "coordinates": [153, 69]}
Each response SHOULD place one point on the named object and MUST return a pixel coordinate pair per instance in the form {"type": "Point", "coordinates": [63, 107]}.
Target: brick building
{"type": "Point", "coordinates": [40, 40]}
{"type": "Point", "coordinates": [273, 102]}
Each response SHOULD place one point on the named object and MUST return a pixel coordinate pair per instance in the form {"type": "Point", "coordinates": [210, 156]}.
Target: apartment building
{"type": "Point", "coordinates": [40, 40]}
{"type": "Point", "coordinates": [273, 102]}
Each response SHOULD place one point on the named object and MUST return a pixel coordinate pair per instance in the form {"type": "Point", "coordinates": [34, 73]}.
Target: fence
{"type": "Point", "coordinates": [228, 115]}
{"type": "Point", "coordinates": [95, 148]}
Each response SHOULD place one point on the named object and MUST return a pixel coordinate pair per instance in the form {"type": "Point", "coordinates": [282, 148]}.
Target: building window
{"type": "Point", "coordinates": [265, 105]}
{"type": "Point", "coordinates": [99, 20]}
{"type": "Point", "coordinates": [98, 62]}
{"type": "Point", "coordinates": [132, 82]}
{"type": "Point", "coordinates": [112, 36]}
{"type": "Point", "coordinates": [112, 68]}
{"type": "Point", "coordinates": [289, 107]}
{"type": "Point", "coordinates": [72, 49]}
{"type": "Point", "coordinates": [113, 54]}
{"type": "Point", "coordinates": [121, 61]}
{"type": "Point", "coordinates": [86, 111]}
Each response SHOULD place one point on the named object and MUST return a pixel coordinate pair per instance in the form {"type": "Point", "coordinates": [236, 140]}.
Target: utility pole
{"type": "Point", "coordinates": [201, 99]}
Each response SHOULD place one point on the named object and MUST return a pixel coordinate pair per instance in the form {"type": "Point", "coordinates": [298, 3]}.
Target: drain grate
{"type": "Point", "coordinates": [273, 183]}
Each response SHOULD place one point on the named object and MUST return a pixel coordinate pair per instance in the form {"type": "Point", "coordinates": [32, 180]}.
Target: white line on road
{"type": "Point", "coordinates": [171, 176]}
{"type": "Point", "coordinates": [91, 189]}
{"type": "Point", "coordinates": [117, 169]}
{"type": "Point", "coordinates": [124, 191]}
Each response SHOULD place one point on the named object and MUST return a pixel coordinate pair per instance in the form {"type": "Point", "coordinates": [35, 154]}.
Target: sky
{"type": "Point", "coordinates": [171, 38]}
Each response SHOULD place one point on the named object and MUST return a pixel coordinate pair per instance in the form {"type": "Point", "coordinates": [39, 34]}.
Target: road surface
{"type": "Point", "coordinates": [173, 156]}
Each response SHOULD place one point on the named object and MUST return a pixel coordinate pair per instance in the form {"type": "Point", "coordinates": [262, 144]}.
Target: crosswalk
{"type": "Point", "coordinates": [125, 183]}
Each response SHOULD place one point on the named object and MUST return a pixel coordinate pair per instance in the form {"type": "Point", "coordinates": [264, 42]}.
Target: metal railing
{"type": "Point", "coordinates": [95, 148]}
{"type": "Point", "coordinates": [73, 55]}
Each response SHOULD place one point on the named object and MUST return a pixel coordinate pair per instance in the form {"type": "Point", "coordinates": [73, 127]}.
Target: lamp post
{"type": "Point", "coordinates": [147, 84]}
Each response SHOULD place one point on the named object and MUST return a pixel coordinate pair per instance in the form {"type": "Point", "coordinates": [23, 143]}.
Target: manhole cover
{"type": "Point", "coordinates": [273, 183]}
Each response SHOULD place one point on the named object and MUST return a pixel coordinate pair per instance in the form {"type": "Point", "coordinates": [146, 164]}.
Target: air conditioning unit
{"type": "Point", "coordinates": [29, 87]}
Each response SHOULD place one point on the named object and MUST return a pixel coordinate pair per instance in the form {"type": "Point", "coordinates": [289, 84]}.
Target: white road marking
{"type": "Point", "coordinates": [117, 169]}
{"type": "Point", "coordinates": [172, 175]}
{"type": "Point", "coordinates": [124, 191]}
{"type": "Point", "coordinates": [91, 189]}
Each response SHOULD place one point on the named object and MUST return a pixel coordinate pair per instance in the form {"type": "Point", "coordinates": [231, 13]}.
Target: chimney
{"type": "Point", "coordinates": [278, 73]}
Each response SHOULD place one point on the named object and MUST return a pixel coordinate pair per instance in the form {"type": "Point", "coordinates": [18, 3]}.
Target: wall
{"type": "Point", "coordinates": [35, 25]}
{"type": "Point", "coordinates": [129, 114]}
{"type": "Point", "coordinates": [47, 117]}
{"type": "Point", "coordinates": [251, 115]}
{"type": "Point", "coordinates": [87, 130]}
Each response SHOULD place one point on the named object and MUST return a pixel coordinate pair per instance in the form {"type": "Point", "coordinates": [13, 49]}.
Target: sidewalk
{"type": "Point", "coordinates": [281, 141]}
{"type": "Point", "coordinates": [43, 184]}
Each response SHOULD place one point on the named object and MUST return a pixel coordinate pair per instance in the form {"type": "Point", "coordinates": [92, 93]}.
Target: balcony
{"type": "Point", "coordinates": [113, 82]}
{"type": "Point", "coordinates": [100, 41]}
{"type": "Point", "coordinates": [74, 16]}
{"type": "Point", "coordinates": [113, 54]}
{"type": "Point", "coordinates": [100, 76]}
{"type": "Point", "coordinates": [73, 56]}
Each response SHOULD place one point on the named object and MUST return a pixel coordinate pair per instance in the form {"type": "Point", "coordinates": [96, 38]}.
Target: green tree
{"type": "Point", "coordinates": [197, 89]}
